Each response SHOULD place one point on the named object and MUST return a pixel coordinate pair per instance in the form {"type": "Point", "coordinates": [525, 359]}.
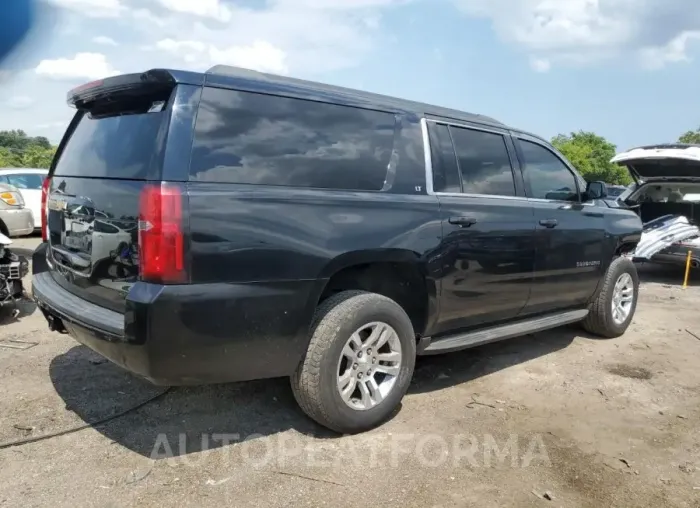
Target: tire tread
{"type": "Point", "coordinates": [306, 380]}
{"type": "Point", "coordinates": [597, 321]}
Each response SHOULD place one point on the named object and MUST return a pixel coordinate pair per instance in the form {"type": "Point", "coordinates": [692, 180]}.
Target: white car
{"type": "Point", "coordinates": [28, 181]}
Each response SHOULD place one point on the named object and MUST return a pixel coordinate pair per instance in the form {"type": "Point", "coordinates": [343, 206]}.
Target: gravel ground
{"type": "Point", "coordinates": [552, 419]}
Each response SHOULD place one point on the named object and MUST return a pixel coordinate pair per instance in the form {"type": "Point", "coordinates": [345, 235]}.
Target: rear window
{"type": "Point", "coordinates": [117, 146]}
{"type": "Point", "coordinates": [25, 181]}
{"type": "Point", "coordinates": [250, 138]}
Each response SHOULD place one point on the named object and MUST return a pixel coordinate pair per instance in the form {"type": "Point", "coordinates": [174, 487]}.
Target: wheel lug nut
{"type": "Point", "coordinates": [354, 366]}
{"type": "Point", "coordinates": [374, 360]}
{"type": "Point", "coordinates": [369, 351]}
{"type": "Point", "coordinates": [369, 372]}
{"type": "Point", "coordinates": [359, 375]}
{"type": "Point", "coordinates": [359, 355]}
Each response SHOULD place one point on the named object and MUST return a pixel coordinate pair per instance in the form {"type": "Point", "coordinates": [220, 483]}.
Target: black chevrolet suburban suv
{"type": "Point", "coordinates": [232, 225]}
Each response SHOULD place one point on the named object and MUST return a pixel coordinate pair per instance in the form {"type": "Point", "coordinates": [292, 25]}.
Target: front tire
{"type": "Point", "coordinates": [612, 311]}
{"type": "Point", "coordinates": [358, 364]}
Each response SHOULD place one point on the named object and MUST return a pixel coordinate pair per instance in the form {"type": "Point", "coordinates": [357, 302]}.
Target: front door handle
{"type": "Point", "coordinates": [549, 223]}
{"type": "Point", "coordinates": [464, 222]}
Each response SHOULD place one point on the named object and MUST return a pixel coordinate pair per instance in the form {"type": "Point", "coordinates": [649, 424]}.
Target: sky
{"type": "Point", "coordinates": [625, 69]}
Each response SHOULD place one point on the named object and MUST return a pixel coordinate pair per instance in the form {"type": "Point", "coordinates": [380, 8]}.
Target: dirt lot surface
{"type": "Point", "coordinates": [554, 419]}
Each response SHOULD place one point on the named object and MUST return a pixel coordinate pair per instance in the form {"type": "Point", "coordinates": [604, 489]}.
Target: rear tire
{"type": "Point", "coordinates": [345, 325]}
{"type": "Point", "coordinates": [612, 311]}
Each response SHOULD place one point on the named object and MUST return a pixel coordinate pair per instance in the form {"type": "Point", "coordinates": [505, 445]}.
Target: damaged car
{"type": "Point", "coordinates": [666, 196]}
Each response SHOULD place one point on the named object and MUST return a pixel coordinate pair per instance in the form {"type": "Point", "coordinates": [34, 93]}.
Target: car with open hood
{"type": "Point", "coordinates": [666, 183]}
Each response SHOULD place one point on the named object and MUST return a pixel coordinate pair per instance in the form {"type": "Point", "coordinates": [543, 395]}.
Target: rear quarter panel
{"type": "Point", "coordinates": [266, 234]}
{"type": "Point", "coordinates": [267, 254]}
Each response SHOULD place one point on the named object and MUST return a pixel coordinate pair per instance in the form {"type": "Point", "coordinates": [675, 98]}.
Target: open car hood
{"type": "Point", "coordinates": [662, 162]}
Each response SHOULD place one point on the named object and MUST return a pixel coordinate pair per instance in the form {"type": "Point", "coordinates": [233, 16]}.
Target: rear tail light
{"type": "Point", "coordinates": [12, 198]}
{"type": "Point", "coordinates": [161, 234]}
{"type": "Point", "coordinates": [44, 208]}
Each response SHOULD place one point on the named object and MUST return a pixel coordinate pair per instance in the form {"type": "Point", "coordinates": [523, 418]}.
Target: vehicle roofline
{"type": "Point", "coordinates": [521, 132]}
{"type": "Point", "coordinates": [232, 77]}
{"type": "Point", "coordinates": [313, 88]}
{"type": "Point", "coordinates": [229, 76]}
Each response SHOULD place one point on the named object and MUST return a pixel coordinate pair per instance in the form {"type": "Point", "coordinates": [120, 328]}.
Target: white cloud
{"type": "Point", "coordinates": [300, 37]}
{"type": "Point", "coordinates": [205, 8]}
{"type": "Point", "coordinates": [182, 47]}
{"type": "Point", "coordinates": [341, 4]}
{"type": "Point", "coordinates": [19, 102]}
{"type": "Point", "coordinates": [260, 55]}
{"type": "Point", "coordinates": [586, 31]}
{"type": "Point", "coordinates": [82, 66]}
{"type": "Point", "coordinates": [92, 8]}
{"type": "Point", "coordinates": [147, 18]}
{"type": "Point", "coordinates": [540, 64]}
{"type": "Point", "coordinates": [104, 40]}
{"type": "Point", "coordinates": [675, 51]}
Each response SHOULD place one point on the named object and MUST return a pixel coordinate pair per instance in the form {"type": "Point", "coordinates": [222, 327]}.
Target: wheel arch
{"type": "Point", "coordinates": [366, 256]}
{"type": "Point", "coordinates": [400, 274]}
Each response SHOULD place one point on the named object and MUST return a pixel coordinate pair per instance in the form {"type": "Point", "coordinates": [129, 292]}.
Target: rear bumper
{"type": "Point", "coordinates": [19, 222]}
{"type": "Point", "coordinates": [194, 334]}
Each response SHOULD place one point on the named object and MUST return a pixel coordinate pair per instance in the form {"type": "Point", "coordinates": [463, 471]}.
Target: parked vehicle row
{"type": "Point", "coordinates": [20, 195]}
{"type": "Point", "coordinates": [231, 225]}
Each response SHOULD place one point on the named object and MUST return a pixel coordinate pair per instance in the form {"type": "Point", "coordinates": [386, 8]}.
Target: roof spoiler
{"type": "Point", "coordinates": [81, 96]}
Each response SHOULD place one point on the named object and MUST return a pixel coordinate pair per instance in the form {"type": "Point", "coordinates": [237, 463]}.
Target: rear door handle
{"type": "Point", "coordinates": [549, 223]}
{"type": "Point", "coordinates": [462, 221]}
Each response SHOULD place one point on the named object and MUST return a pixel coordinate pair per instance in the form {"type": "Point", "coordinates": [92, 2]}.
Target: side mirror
{"type": "Point", "coordinates": [596, 190]}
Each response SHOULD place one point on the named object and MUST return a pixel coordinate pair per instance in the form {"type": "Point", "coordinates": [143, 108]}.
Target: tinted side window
{"type": "Point", "coordinates": [483, 162]}
{"type": "Point", "coordinates": [250, 138]}
{"type": "Point", "coordinates": [546, 176]}
{"type": "Point", "coordinates": [445, 170]}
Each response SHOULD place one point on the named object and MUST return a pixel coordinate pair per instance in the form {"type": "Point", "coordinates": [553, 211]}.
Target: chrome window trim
{"type": "Point", "coordinates": [429, 162]}
{"type": "Point", "coordinates": [471, 195]}
{"type": "Point", "coordinates": [502, 132]}
{"type": "Point", "coordinates": [428, 156]}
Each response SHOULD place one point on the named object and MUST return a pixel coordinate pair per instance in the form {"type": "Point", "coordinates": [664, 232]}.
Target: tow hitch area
{"type": "Point", "coordinates": [55, 323]}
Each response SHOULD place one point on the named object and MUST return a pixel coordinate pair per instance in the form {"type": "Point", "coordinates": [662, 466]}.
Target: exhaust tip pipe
{"type": "Point", "coordinates": [695, 263]}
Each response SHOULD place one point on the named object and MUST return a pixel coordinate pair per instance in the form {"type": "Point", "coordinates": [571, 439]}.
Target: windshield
{"type": "Point", "coordinates": [29, 181]}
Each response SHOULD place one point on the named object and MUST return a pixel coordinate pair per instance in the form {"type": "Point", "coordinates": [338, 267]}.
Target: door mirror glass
{"type": "Point", "coordinates": [596, 190]}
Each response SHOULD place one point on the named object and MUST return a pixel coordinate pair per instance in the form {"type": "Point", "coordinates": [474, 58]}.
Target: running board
{"type": "Point", "coordinates": [496, 333]}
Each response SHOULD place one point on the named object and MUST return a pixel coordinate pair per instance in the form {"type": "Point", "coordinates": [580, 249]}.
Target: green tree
{"type": "Point", "coordinates": [15, 139]}
{"type": "Point", "coordinates": [18, 150]}
{"type": "Point", "coordinates": [37, 157]}
{"type": "Point", "coordinates": [9, 158]}
{"type": "Point", "coordinates": [691, 137]}
{"type": "Point", "coordinates": [590, 154]}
